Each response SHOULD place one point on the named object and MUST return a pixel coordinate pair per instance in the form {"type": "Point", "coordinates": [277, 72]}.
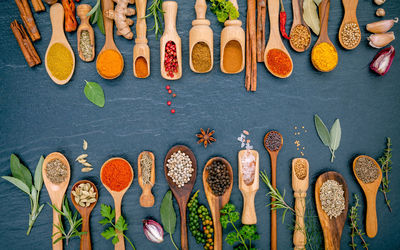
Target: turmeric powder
{"type": "Point", "coordinates": [109, 64]}
{"type": "Point", "coordinates": [59, 61]}
{"type": "Point", "coordinates": [324, 57]}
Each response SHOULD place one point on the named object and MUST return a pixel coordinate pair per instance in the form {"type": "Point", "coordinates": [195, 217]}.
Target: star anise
{"type": "Point", "coordinates": [205, 137]}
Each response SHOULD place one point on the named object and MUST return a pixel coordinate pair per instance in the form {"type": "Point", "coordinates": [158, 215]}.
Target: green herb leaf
{"type": "Point", "coordinates": [107, 212]}
{"type": "Point", "coordinates": [38, 174]}
{"type": "Point", "coordinates": [121, 226]}
{"type": "Point", "coordinates": [18, 183]}
{"type": "Point", "coordinates": [167, 212]}
{"type": "Point", "coordinates": [322, 131]}
{"type": "Point", "coordinates": [104, 221]}
{"type": "Point", "coordinates": [336, 134]}
{"type": "Point", "coordinates": [223, 9]}
{"type": "Point", "coordinates": [94, 93]}
{"type": "Point", "coordinates": [232, 238]}
{"type": "Point", "coordinates": [109, 233]}
{"type": "Point", "coordinates": [100, 22]}
{"type": "Point", "coordinates": [19, 171]}
{"type": "Point", "coordinates": [310, 16]}
{"type": "Point", "coordinates": [94, 9]}
{"type": "Point", "coordinates": [115, 240]}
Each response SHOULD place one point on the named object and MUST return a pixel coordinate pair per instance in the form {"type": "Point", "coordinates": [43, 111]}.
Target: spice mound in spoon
{"type": "Point", "coordinates": [366, 170]}
{"type": "Point", "coordinates": [300, 169]}
{"type": "Point", "coordinates": [116, 174]}
{"type": "Point", "coordinates": [332, 198]}
{"type": "Point", "coordinates": [279, 62]}
{"type": "Point", "coordinates": [273, 141]}
{"type": "Point", "coordinates": [324, 57]}
{"type": "Point", "coordinates": [218, 177]}
{"type": "Point", "coordinates": [84, 194]}
{"type": "Point", "coordinates": [180, 168]}
{"type": "Point", "coordinates": [56, 171]}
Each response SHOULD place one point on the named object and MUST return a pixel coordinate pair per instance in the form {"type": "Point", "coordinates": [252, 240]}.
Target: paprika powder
{"type": "Point", "coordinates": [279, 62]}
{"type": "Point", "coordinates": [116, 174]}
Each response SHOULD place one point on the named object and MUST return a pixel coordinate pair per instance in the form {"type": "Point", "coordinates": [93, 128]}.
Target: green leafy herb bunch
{"type": "Point", "coordinates": [223, 9]}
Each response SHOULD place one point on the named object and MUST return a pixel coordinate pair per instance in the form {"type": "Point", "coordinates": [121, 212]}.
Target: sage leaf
{"type": "Point", "coordinates": [19, 171]}
{"type": "Point", "coordinates": [18, 183]}
{"type": "Point", "coordinates": [336, 134]}
{"type": "Point", "coordinates": [310, 16]}
{"type": "Point", "coordinates": [100, 22]}
{"type": "Point", "coordinates": [94, 93]}
{"type": "Point", "coordinates": [167, 212]}
{"type": "Point", "coordinates": [322, 131]}
{"type": "Point", "coordinates": [38, 179]}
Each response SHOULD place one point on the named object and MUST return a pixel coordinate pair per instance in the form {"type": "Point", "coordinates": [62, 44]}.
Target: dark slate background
{"type": "Point", "coordinates": [38, 117]}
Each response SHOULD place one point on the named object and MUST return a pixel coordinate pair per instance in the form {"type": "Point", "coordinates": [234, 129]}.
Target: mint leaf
{"type": "Point", "coordinates": [94, 93]}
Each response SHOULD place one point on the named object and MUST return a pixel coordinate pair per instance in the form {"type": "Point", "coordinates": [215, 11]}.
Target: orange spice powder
{"type": "Point", "coordinates": [109, 63]}
{"type": "Point", "coordinates": [116, 174]}
{"type": "Point", "coordinates": [279, 62]}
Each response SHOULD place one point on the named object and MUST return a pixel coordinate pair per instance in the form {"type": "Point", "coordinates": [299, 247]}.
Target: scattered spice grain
{"type": "Point", "coordinates": [351, 35]}
{"type": "Point", "coordinates": [366, 170]}
{"type": "Point", "coordinates": [218, 177]}
{"type": "Point", "coordinates": [116, 174]}
{"type": "Point", "coordinates": [84, 194]}
{"type": "Point", "coordinates": [180, 168]}
{"type": "Point", "coordinates": [146, 163]}
{"type": "Point", "coordinates": [56, 171]}
{"type": "Point", "coordinates": [85, 45]}
{"type": "Point", "coordinates": [279, 62]}
{"type": "Point", "coordinates": [331, 195]}
{"type": "Point", "coordinates": [201, 57]}
{"type": "Point", "coordinates": [232, 57]}
{"type": "Point", "coordinates": [141, 68]}
{"type": "Point", "coordinates": [300, 37]}
{"type": "Point", "coordinates": [59, 61]}
{"type": "Point", "coordinates": [273, 141]}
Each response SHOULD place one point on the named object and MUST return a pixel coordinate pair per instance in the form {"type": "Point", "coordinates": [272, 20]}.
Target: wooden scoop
{"type": "Point", "coordinates": [370, 191]}
{"type": "Point", "coordinates": [332, 228]}
{"type": "Point", "coordinates": [58, 36]}
{"type": "Point", "coordinates": [56, 191]}
{"type": "Point", "coordinates": [182, 194]}
{"type": "Point", "coordinates": [350, 16]}
{"type": "Point", "coordinates": [249, 191]}
{"type": "Point", "coordinates": [216, 203]}
{"type": "Point", "coordinates": [147, 198]}
{"type": "Point", "coordinates": [323, 35]}
{"type": "Point", "coordinates": [201, 32]}
{"type": "Point", "coordinates": [117, 196]}
{"type": "Point", "coordinates": [86, 243]}
{"type": "Point", "coordinates": [82, 11]}
{"type": "Point", "coordinates": [170, 9]}
{"type": "Point", "coordinates": [233, 33]}
{"type": "Point", "coordinates": [141, 49]}
{"type": "Point", "coordinates": [109, 44]}
{"type": "Point", "coordinates": [297, 6]}
{"type": "Point", "coordinates": [300, 186]}
{"type": "Point", "coordinates": [275, 40]}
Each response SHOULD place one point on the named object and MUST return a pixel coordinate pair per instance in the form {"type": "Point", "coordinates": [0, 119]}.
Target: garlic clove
{"type": "Point", "coordinates": [382, 61]}
{"type": "Point", "coordinates": [380, 12]}
{"type": "Point", "coordinates": [380, 40]}
{"type": "Point", "coordinates": [382, 26]}
{"type": "Point", "coordinates": [153, 231]}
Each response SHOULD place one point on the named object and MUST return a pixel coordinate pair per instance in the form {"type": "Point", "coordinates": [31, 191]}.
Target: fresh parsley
{"type": "Point", "coordinates": [223, 9]}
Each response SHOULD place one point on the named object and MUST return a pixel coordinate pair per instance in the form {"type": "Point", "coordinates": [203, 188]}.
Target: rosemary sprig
{"type": "Point", "coordinates": [73, 222]}
{"type": "Point", "coordinates": [386, 162]}
{"type": "Point", "coordinates": [156, 11]}
{"type": "Point", "coordinates": [353, 221]}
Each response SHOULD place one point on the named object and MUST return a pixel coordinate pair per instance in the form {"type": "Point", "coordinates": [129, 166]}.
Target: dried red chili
{"type": "Point", "coordinates": [282, 22]}
{"type": "Point", "coordinates": [70, 22]}
{"type": "Point", "coordinates": [279, 62]}
{"type": "Point", "coordinates": [116, 174]}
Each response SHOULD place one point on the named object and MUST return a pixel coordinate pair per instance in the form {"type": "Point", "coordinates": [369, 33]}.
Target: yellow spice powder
{"type": "Point", "coordinates": [59, 61]}
{"type": "Point", "coordinates": [324, 57]}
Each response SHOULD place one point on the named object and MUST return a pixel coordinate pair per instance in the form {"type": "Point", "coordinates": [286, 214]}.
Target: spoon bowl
{"type": "Point", "coordinates": [350, 16]}
{"type": "Point", "coordinates": [216, 203]}
{"type": "Point", "coordinates": [81, 11]}
{"type": "Point", "coordinates": [147, 198]}
{"type": "Point", "coordinates": [297, 6]}
{"type": "Point", "coordinates": [141, 49]}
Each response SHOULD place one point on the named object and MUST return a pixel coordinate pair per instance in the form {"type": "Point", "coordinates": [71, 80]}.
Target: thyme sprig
{"type": "Point", "coordinates": [386, 162]}
{"type": "Point", "coordinates": [155, 10]}
{"type": "Point", "coordinates": [353, 221]}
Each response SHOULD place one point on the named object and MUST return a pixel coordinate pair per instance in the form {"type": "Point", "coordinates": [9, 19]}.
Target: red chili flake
{"type": "Point", "coordinates": [173, 111]}
{"type": "Point", "coordinates": [169, 91]}
{"type": "Point", "coordinates": [169, 103]}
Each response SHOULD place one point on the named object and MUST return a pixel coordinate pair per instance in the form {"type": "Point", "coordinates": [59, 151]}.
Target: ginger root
{"type": "Point", "coordinates": [119, 14]}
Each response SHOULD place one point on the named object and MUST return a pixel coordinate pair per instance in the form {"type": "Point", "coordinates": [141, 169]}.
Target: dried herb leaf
{"type": "Point", "coordinates": [336, 134]}
{"type": "Point", "coordinates": [94, 93]}
{"type": "Point", "coordinates": [310, 16]}
{"type": "Point", "coordinates": [38, 174]}
{"type": "Point", "coordinates": [18, 183]}
{"type": "Point", "coordinates": [322, 131]}
{"type": "Point", "coordinates": [19, 171]}
{"type": "Point", "coordinates": [167, 212]}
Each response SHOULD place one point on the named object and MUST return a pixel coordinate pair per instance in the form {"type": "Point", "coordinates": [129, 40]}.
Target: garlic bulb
{"type": "Point", "coordinates": [379, 2]}
{"type": "Point", "coordinates": [153, 231]}
{"type": "Point", "coordinates": [380, 12]}
{"type": "Point", "coordinates": [381, 26]}
{"type": "Point", "coordinates": [380, 40]}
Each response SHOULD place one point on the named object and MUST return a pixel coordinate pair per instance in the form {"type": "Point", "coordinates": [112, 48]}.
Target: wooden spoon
{"type": "Point", "coordinates": [141, 49]}
{"type": "Point", "coordinates": [201, 32]}
{"type": "Point", "coordinates": [300, 186]}
{"type": "Point", "coordinates": [323, 35]}
{"type": "Point", "coordinates": [249, 191]}
{"type": "Point", "coordinates": [332, 228]}
{"type": "Point", "coordinates": [109, 44]}
{"type": "Point", "coordinates": [216, 203]}
{"type": "Point", "coordinates": [117, 196]}
{"type": "Point", "coordinates": [56, 191]}
{"type": "Point", "coordinates": [82, 11]}
{"type": "Point", "coordinates": [233, 33]}
{"type": "Point", "coordinates": [273, 155]}
{"type": "Point", "coordinates": [147, 198]}
{"type": "Point", "coordinates": [297, 6]}
{"type": "Point", "coordinates": [370, 191]}
{"type": "Point", "coordinates": [350, 16]}
{"type": "Point", "coordinates": [182, 194]}
{"type": "Point", "coordinates": [170, 9]}
{"type": "Point", "coordinates": [86, 243]}
{"type": "Point", "coordinates": [58, 36]}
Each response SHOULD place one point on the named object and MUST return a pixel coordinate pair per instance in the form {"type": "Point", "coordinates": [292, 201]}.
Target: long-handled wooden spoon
{"type": "Point", "coordinates": [81, 12]}
{"type": "Point", "coordinates": [300, 177]}
{"type": "Point", "coordinates": [58, 36]}
{"type": "Point", "coordinates": [117, 196]}
{"type": "Point", "coordinates": [147, 198]}
{"type": "Point", "coordinates": [201, 32]}
{"type": "Point", "coordinates": [370, 191]}
{"type": "Point", "coordinates": [216, 203]}
{"type": "Point", "coordinates": [56, 191]}
{"type": "Point", "coordinates": [248, 190]}
{"type": "Point", "coordinates": [182, 194]}
{"type": "Point", "coordinates": [350, 17]}
{"type": "Point", "coordinates": [141, 50]}
{"type": "Point", "coordinates": [86, 243]}
{"type": "Point", "coordinates": [273, 154]}
{"type": "Point", "coordinates": [109, 44]}
{"type": "Point", "coordinates": [297, 6]}
{"type": "Point", "coordinates": [332, 228]}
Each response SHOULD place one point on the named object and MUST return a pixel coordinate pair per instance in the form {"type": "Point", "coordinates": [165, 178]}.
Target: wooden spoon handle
{"type": "Point", "coordinates": [147, 198]}
{"type": "Point", "coordinates": [57, 20]}
{"type": "Point", "coordinates": [121, 243]}
{"type": "Point", "coordinates": [324, 15]}
{"type": "Point", "coordinates": [249, 211]}
{"type": "Point", "coordinates": [170, 9]}
{"type": "Point", "coordinates": [184, 236]}
{"type": "Point", "coordinates": [350, 7]}
{"type": "Point", "coordinates": [86, 243]}
{"type": "Point", "coordinates": [371, 218]}
{"type": "Point", "coordinates": [56, 221]}
{"type": "Point", "coordinates": [201, 8]}
{"type": "Point", "coordinates": [81, 12]}
{"type": "Point", "coordinates": [141, 26]}
{"type": "Point", "coordinates": [217, 228]}
{"type": "Point", "coordinates": [273, 182]}
{"type": "Point", "coordinates": [296, 6]}
{"type": "Point", "coordinates": [299, 237]}
{"type": "Point", "coordinates": [108, 23]}
{"type": "Point", "coordinates": [273, 11]}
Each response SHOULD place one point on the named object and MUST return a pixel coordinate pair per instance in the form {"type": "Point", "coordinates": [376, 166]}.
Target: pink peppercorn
{"type": "Point", "coordinates": [169, 103]}
{"type": "Point", "coordinates": [167, 87]}
{"type": "Point", "coordinates": [169, 91]}
{"type": "Point", "coordinates": [170, 59]}
{"type": "Point", "coordinates": [173, 111]}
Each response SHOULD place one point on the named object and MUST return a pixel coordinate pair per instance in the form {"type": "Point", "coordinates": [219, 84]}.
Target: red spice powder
{"type": "Point", "coordinates": [116, 174]}
{"type": "Point", "coordinates": [279, 62]}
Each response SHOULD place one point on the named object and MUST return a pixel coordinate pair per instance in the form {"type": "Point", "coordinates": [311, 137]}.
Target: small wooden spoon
{"type": "Point", "coordinates": [216, 203]}
{"type": "Point", "coordinates": [81, 11]}
{"type": "Point", "coordinates": [332, 228]}
{"type": "Point", "coordinates": [323, 35]}
{"type": "Point", "coordinates": [300, 186]}
{"type": "Point", "coordinates": [273, 155]}
{"type": "Point", "coordinates": [141, 49]}
{"type": "Point", "coordinates": [233, 33]}
{"type": "Point", "coordinates": [147, 198]}
{"type": "Point", "coordinates": [182, 194]}
{"type": "Point", "coordinates": [275, 40]}
{"type": "Point", "coordinates": [350, 16]}
{"type": "Point", "coordinates": [170, 9]}
{"type": "Point", "coordinates": [297, 6]}
{"type": "Point", "coordinates": [117, 196]}
{"type": "Point", "coordinates": [249, 191]}
{"type": "Point", "coordinates": [56, 191]}
{"type": "Point", "coordinates": [58, 36]}
{"type": "Point", "coordinates": [370, 191]}
{"type": "Point", "coordinates": [86, 243]}
{"type": "Point", "coordinates": [201, 32]}
{"type": "Point", "coordinates": [109, 44]}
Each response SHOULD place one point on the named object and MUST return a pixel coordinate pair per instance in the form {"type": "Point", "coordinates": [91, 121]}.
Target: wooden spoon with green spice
{"type": "Point", "coordinates": [147, 198]}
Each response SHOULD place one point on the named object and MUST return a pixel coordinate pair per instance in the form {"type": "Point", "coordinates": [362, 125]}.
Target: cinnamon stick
{"type": "Point", "coordinates": [251, 13]}
{"type": "Point", "coordinates": [29, 52]}
{"type": "Point", "coordinates": [38, 5]}
{"type": "Point", "coordinates": [247, 81]}
{"type": "Point", "coordinates": [261, 14]}
{"type": "Point", "coordinates": [27, 18]}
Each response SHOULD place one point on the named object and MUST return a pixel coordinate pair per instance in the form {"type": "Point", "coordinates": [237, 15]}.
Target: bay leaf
{"type": "Point", "coordinates": [19, 171]}
{"type": "Point", "coordinates": [310, 16]}
{"type": "Point", "coordinates": [94, 93]}
{"type": "Point", "coordinates": [336, 134]}
{"type": "Point", "coordinates": [167, 212]}
{"type": "Point", "coordinates": [18, 183]}
{"type": "Point", "coordinates": [322, 131]}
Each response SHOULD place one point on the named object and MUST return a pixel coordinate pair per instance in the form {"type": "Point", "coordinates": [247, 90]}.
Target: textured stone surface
{"type": "Point", "coordinates": [38, 117]}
